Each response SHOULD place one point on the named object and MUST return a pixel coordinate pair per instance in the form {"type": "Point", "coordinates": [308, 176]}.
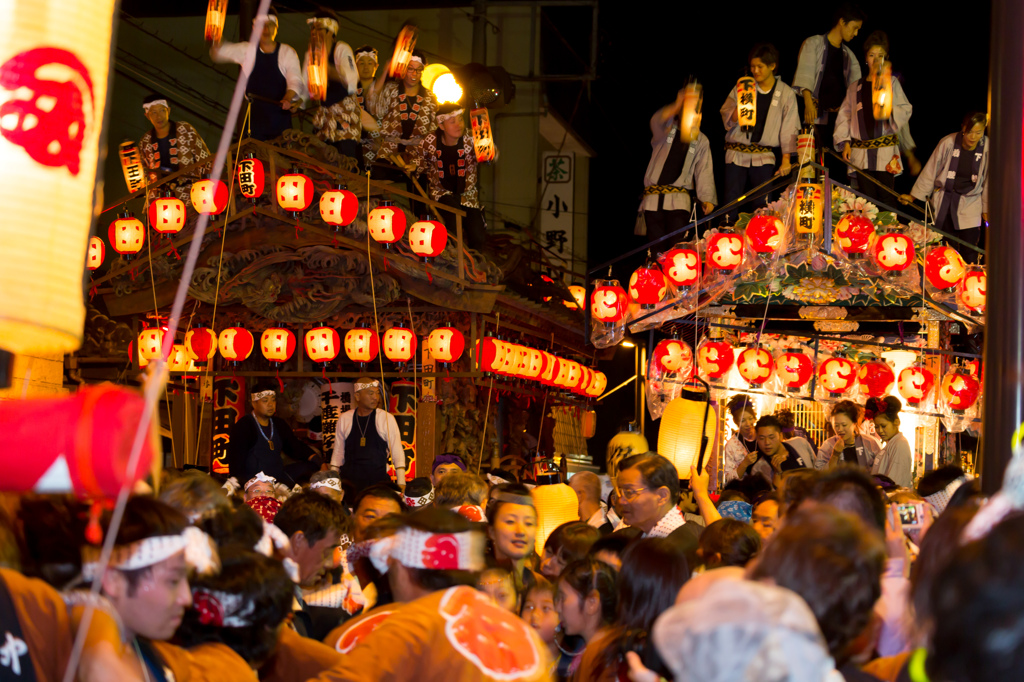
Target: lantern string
{"type": "Point", "coordinates": [156, 313]}
{"type": "Point", "coordinates": [490, 389]}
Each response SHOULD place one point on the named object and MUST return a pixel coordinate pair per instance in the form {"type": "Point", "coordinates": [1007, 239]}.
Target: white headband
{"type": "Point", "coordinates": [421, 501]}
{"type": "Point", "coordinates": [147, 105]}
{"type": "Point", "coordinates": [266, 17]}
{"type": "Point", "coordinates": [414, 58]}
{"type": "Point", "coordinates": [369, 53]}
{"type": "Point", "coordinates": [441, 118]}
{"type": "Point", "coordinates": [439, 551]}
{"type": "Point", "coordinates": [260, 478]}
{"type": "Point", "coordinates": [324, 22]}
{"type": "Point", "coordinates": [222, 609]}
{"type": "Point", "coordinates": [261, 395]}
{"type": "Point", "coordinates": [200, 553]}
{"type": "Point", "coordinates": [272, 537]}
{"type": "Point", "coordinates": [332, 483]}
{"type": "Point", "coordinates": [372, 384]}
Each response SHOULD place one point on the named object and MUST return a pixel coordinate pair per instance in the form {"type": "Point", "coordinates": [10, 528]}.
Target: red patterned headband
{"type": "Point", "coordinates": [439, 551]}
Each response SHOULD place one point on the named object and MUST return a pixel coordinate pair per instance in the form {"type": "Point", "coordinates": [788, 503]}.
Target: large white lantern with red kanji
{"type": "Point", "coordinates": [251, 178]}
{"type": "Point", "coordinates": [322, 344]}
{"type": "Point", "coordinates": [894, 252]}
{"type": "Point", "coordinates": [609, 301]}
{"type": "Point", "coordinates": [944, 267]}
{"type": "Point", "coordinates": [386, 223]}
{"type": "Point", "coordinates": [647, 286]}
{"type": "Point", "coordinates": [167, 215]}
{"type": "Point", "coordinates": [427, 238]}
{"type": "Point", "coordinates": [97, 251]}
{"type": "Point", "coordinates": [338, 207]}
{"type": "Point", "coordinates": [794, 369]}
{"type": "Point", "coordinates": [725, 251]}
{"type": "Point", "coordinates": [756, 365]}
{"type": "Point", "coordinates": [235, 344]}
{"type": "Point", "coordinates": [446, 344]}
{"type": "Point", "coordinates": [715, 358]}
{"type": "Point", "coordinates": [361, 345]}
{"type": "Point", "coordinates": [399, 344]}
{"type": "Point", "coordinates": [201, 345]}
{"type": "Point", "coordinates": [971, 292]}
{"type": "Point", "coordinates": [960, 390]}
{"type": "Point", "coordinates": [854, 233]}
{"type": "Point", "coordinates": [837, 375]}
{"type": "Point", "coordinates": [209, 196]}
{"type": "Point", "coordinates": [127, 235]}
{"type": "Point", "coordinates": [294, 192]}
{"type": "Point", "coordinates": [672, 355]}
{"type": "Point", "coordinates": [915, 384]}
{"type": "Point", "coordinates": [764, 233]}
{"type": "Point", "coordinates": [681, 264]}
{"type": "Point", "coordinates": [277, 345]}
{"type": "Point", "coordinates": [876, 378]}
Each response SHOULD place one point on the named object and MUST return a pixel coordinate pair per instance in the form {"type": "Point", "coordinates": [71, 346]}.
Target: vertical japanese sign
{"type": "Point", "coordinates": [335, 398]}
{"type": "Point", "coordinates": [403, 406]}
{"type": "Point", "coordinates": [558, 178]}
{"type": "Point", "coordinates": [228, 407]}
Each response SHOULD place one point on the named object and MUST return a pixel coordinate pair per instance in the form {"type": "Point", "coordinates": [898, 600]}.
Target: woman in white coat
{"type": "Point", "coordinates": [849, 445]}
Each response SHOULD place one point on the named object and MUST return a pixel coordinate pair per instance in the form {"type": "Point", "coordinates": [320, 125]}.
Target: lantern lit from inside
{"type": "Point", "coordinates": [556, 504]}
{"type": "Point", "coordinates": [131, 165]}
{"type": "Point", "coordinates": [746, 103]}
{"type": "Point", "coordinates": [690, 116]}
{"type": "Point", "coordinates": [550, 371]}
{"type": "Point", "coordinates": [402, 53]}
{"type": "Point", "coordinates": [483, 138]}
{"type": "Point", "coordinates": [127, 235]}
{"type": "Point", "coordinates": [386, 223]}
{"type": "Point", "coordinates": [399, 344]}
{"type": "Point", "coordinates": [805, 150]}
{"type": "Point", "coordinates": [151, 343]}
{"type": "Point", "coordinates": [944, 267]}
{"type": "Point", "coordinates": [361, 345]}
{"type": "Point", "coordinates": [715, 358]}
{"type": "Point", "coordinates": [971, 290]}
{"type": "Point", "coordinates": [294, 192]}
{"type": "Point", "coordinates": [575, 375]}
{"type": "Point", "coordinates": [277, 345]}
{"type": "Point", "coordinates": [509, 359]}
{"type": "Point", "coordinates": [808, 208]}
{"type": "Point", "coordinates": [584, 383]}
{"type": "Point", "coordinates": [647, 286]}
{"type": "Point", "coordinates": [681, 265]}
{"type": "Point", "coordinates": [338, 207]}
{"type": "Point", "coordinates": [725, 251]}
{"type": "Point", "coordinates": [178, 360]}
{"type": "Point", "coordinates": [881, 92]}
{"type": "Point", "coordinates": [562, 370]}
{"type": "Point", "coordinates": [960, 390]}
{"type": "Point", "coordinates": [837, 375]}
{"type": "Point", "coordinates": [598, 385]}
{"type": "Point", "coordinates": [522, 362]}
{"type": "Point", "coordinates": [876, 378]}
{"type": "Point", "coordinates": [579, 298]}
{"type": "Point", "coordinates": [316, 68]}
{"type": "Point", "coordinates": [609, 301]}
{"type": "Point", "coordinates": [491, 354]}
{"type": "Point", "coordinates": [672, 355]}
{"type": "Point", "coordinates": [322, 344]}
{"type": "Point", "coordinates": [446, 344]}
{"type": "Point", "coordinates": [132, 355]}
{"type": "Point", "coordinates": [755, 365]}
{"type": "Point", "coordinates": [201, 345]}
{"type": "Point", "coordinates": [764, 233]}
{"type": "Point", "coordinates": [251, 178]}
{"type": "Point", "coordinates": [915, 384]}
{"type": "Point", "coordinates": [97, 251]}
{"type": "Point", "coordinates": [209, 196]}
{"type": "Point", "coordinates": [235, 344]}
{"type": "Point", "coordinates": [167, 215]}
{"type": "Point", "coordinates": [535, 363]}
{"type": "Point", "coordinates": [427, 238]}
{"type": "Point", "coordinates": [687, 429]}
{"type": "Point", "coordinates": [854, 233]}
{"type": "Point", "coordinates": [216, 13]}
{"type": "Point", "coordinates": [894, 252]}
{"type": "Point", "coordinates": [794, 368]}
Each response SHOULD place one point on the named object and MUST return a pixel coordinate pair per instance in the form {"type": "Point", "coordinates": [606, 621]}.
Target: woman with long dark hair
{"type": "Point", "coordinates": [586, 600]}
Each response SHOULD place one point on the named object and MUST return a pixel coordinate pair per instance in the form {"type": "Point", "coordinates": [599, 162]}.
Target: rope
{"type": "Point", "coordinates": [156, 313]}
{"type": "Point", "coordinates": [487, 411]}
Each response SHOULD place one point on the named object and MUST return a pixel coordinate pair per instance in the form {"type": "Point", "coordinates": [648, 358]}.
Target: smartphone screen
{"type": "Point", "coordinates": [910, 515]}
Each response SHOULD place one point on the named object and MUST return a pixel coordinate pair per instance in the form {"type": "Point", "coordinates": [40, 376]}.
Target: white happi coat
{"type": "Point", "coordinates": [810, 66]}
{"type": "Point", "coordinates": [781, 127]}
{"type": "Point", "coordinates": [930, 185]}
{"type": "Point", "coordinates": [848, 126]}
{"type": "Point", "coordinates": [697, 169]}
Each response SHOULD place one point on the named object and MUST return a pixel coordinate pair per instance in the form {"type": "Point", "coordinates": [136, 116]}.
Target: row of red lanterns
{"type": "Point", "coordinates": [517, 361]}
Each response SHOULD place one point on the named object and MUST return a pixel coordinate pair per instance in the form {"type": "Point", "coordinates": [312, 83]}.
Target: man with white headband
{"type": "Point", "coordinates": [365, 439]}
{"type": "Point", "coordinates": [366, 65]}
{"type": "Point", "coordinates": [275, 79]}
{"type": "Point", "coordinates": [407, 113]}
{"type": "Point", "coordinates": [171, 145]}
{"type": "Point", "coordinates": [338, 120]}
{"type": "Point", "coordinates": [327, 483]}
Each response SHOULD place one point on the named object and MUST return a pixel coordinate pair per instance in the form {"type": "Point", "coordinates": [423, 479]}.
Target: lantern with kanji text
{"type": "Point", "coordinates": [131, 165]}
{"type": "Point", "coordinates": [127, 235]}
{"type": "Point", "coordinates": [97, 251]}
{"type": "Point", "coordinates": [894, 252]}
{"type": "Point", "coordinates": [322, 345]}
{"type": "Point", "coordinates": [915, 384]}
{"type": "Point", "coordinates": [277, 345]}
{"type": "Point", "coordinates": [944, 267]}
{"type": "Point", "coordinates": [399, 344]}
{"type": "Point", "coordinates": [338, 207]}
{"type": "Point", "coordinates": [209, 196]}
{"type": "Point", "coordinates": [854, 233]}
{"type": "Point", "coordinates": [201, 345]}
{"type": "Point", "coordinates": [361, 345]}
{"type": "Point", "coordinates": [681, 264]}
{"type": "Point", "coordinates": [446, 344]}
{"type": "Point", "coordinates": [808, 208]}
{"type": "Point", "coordinates": [235, 344]}
{"type": "Point", "coordinates": [876, 378]}
{"type": "Point", "coordinates": [427, 238]}
{"type": "Point", "coordinates": [483, 139]}
{"type": "Point", "coordinates": [251, 178]}
{"type": "Point", "coordinates": [755, 365]}
{"type": "Point", "coordinates": [386, 223]}
{"type": "Point", "coordinates": [167, 215]}
{"type": "Point", "coordinates": [715, 358]}
{"type": "Point", "coordinates": [725, 251]}
{"type": "Point", "coordinates": [216, 14]}
{"type": "Point", "coordinates": [959, 390]}
{"type": "Point", "coordinates": [794, 369]}
{"type": "Point", "coordinates": [971, 290]}
{"type": "Point", "coordinates": [672, 355]}
{"type": "Point", "coordinates": [746, 103]}
{"type": "Point", "coordinates": [647, 286]}
{"type": "Point", "coordinates": [609, 301]}
{"type": "Point", "coordinates": [837, 375]}
{"type": "Point", "coordinates": [764, 233]}
{"type": "Point", "coordinates": [294, 192]}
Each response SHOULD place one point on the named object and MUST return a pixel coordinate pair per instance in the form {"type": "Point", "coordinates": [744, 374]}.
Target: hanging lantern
{"type": "Point", "coordinates": [132, 355]}
{"type": "Point", "coordinates": [386, 223]}
{"type": "Point", "coordinates": [972, 288]}
{"type": "Point", "coordinates": [690, 117]}
{"type": "Point", "coordinates": [715, 358]}
{"type": "Point", "coordinates": [251, 177]}
{"type": "Point", "coordinates": [361, 345]}
{"type": "Point", "coordinates": [178, 361]}
{"type": "Point", "coordinates": [609, 301]}
{"type": "Point", "coordinates": [915, 384]}
{"type": "Point", "coordinates": [294, 192]}
{"type": "Point", "coordinates": [805, 151]}
{"type": "Point", "coordinates": [399, 344]}
{"type": "Point", "coordinates": [322, 344]}
{"type": "Point", "coordinates": [672, 355]}
{"type": "Point", "coordinates": [534, 364]}
{"type": "Point", "coordinates": [894, 252]}
{"type": "Point", "coordinates": [483, 139]}
{"type": "Point", "coordinates": [209, 196]}
{"type": "Point", "coordinates": [131, 165]}
{"type": "Point", "coordinates": [277, 345]}
{"type": "Point", "coordinates": [491, 353]}
{"type": "Point", "coordinates": [427, 238]}
{"type": "Point", "coordinates": [944, 267]}
{"type": "Point", "coordinates": [97, 251]}
{"type": "Point", "coordinates": [974, 368]}
{"type": "Point", "coordinates": [598, 385]}
{"type": "Point", "coordinates": [854, 234]}
{"type": "Point", "coordinates": [216, 13]}
{"type": "Point", "coordinates": [127, 235]}
{"type": "Point", "coordinates": [579, 298]}
{"type": "Point", "coordinates": [151, 342]}
{"type": "Point", "coordinates": [764, 233]}
{"type": "Point", "coordinates": [876, 379]}
{"type": "Point", "coordinates": [681, 264]}
{"type": "Point", "coordinates": [586, 376]}
{"type": "Point", "coordinates": [725, 251]}
{"type": "Point", "coordinates": [746, 103]}
{"type": "Point", "coordinates": [575, 376]}
{"type": "Point", "coordinates": [404, 46]}
{"type": "Point", "coordinates": [338, 207]}
{"type": "Point", "coordinates": [235, 344]}
{"type": "Point", "coordinates": [881, 92]}
{"type": "Point", "coordinates": [201, 345]}
{"type": "Point", "coordinates": [960, 390]}
{"type": "Point", "coordinates": [647, 286]}
{"type": "Point", "coordinates": [167, 215]}
{"type": "Point", "coordinates": [317, 67]}
{"type": "Point", "coordinates": [562, 370]}
{"type": "Point", "coordinates": [808, 208]}
{"type": "Point", "coordinates": [509, 360]}
{"type": "Point", "coordinates": [687, 433]}
{"type": "Point", "coordinates": [522, 363]}
{"type": "Point", "coordinates": [446, 344]}
{"type": "Point", "coordinates": [755, 365]}
{"type": "Point", "coordinates": [837, 375]}
{"type": "Point", "coordinates": [556, 503]}
{"type": "Point", "coordinates": [794, 369]}
{"type": "Point", "coordinates": [589, 423]}
{"type": "Point", "coordinates": [550, 371]}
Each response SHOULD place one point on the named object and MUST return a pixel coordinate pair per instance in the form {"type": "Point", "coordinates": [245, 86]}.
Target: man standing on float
{"type": "Point", "coordinates": [364, 438]}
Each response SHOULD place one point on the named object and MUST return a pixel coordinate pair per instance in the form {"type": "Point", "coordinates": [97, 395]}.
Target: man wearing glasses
{"type": "Point", "coordinates": [407, 112]}
{"type": "Point", "coordinates": [648, 488]}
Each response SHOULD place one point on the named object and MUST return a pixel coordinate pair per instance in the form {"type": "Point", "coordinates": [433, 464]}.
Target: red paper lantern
{"type": "Point", "coordinates": [725, 251]}
{"type": "Point", "coordinates": [974, 368]}
{"type": "Point", "coordinates": [574, 376]}
{"type": "Point", "coordinates": [338, 207]}
{"type": "Point", "coordinates": [672, 355]}
{"type": "Point", "coordinates": [598, 385]}
{"type": "Point", "coordinates": [427, 238]}
{"type": "Point", "coordinates": [277, 345]}
{"type": "Point", "coordinates": [386, 223]}
{"type": "Point", "coordinates": [251, 178]}
{"type": "Point", "coordinates": [201, 345]}
{"type": "Point", "coordinates": [361, 345]}
{"type": "Point", "coordinates": [446, 344]}
{"type": "Point", "coordinates": [794, 368]}
{"type": "Point", "coordinates": [854, 233]}
{"type": "Point", "coordinates": [960, 390]}
{"type": "Point", "coordinates": [944, 267]}
{"type": "Point", "coordinates": [681, 265]}
{"type": "Point", "coordinates": [561, 375]}
{"type": "Point", "coordinates": [837, 375]}
{"type": "Point", "coordinates": [491, 353]}
{"type": "Point", "coordinates": [509, 360]}
{"type": "Point", "coordinates": [209, 196]}
{"type": "Point", "coordinates": [97, 251]}
{"type": "Point", "coordinates": [876, 378]}
{"type": "Point", "coordinates": [915, 384]}
{"type": "Point", "coordinates": [535, 364]}
{"type": "Point", "coordinates": [399, 344]}
{"type": "Point", "coordinates": [127, 235]}
{"type": "Point", "coordinates": [522, 363]}
{"type": "Point", "coordinates": [294, 192]}
{"type": "Point", "coordinates": [715, 358]}
{"type": "Point", "coordinates": [322, 344]}
{"type": "Point", "coordinates": [609, 302]}
{"type": "Point", "coordinates": [151, 343]}
{"type": "Point", "coordinates": [971, 290]}
{"type": "Point", "coordinates": [550, 371]}
{"type": "Point", "coordinates": [167, 215]}
{"type": "Point", "coordinates": [764, 233]}
{"type": "Point", "coordinates": [755, 365]}
{"type": "Point", "coordinates": [894, 252]}
{"type": "Point", "coordinates": [586, 376]}
{"type": "Point", "coordinates": [647, 286]}
{"type": "Point", "coordinates": [216, 14]}
{"type": "Point", "coordinates": [235, 344]}
{"type": "Point", "coordinates": [579, 298]}
{"type": "Point", "coordinates": [483, 139]}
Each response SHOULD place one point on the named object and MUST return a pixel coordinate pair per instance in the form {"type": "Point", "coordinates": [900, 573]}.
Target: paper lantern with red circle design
{"type": "Point", "coordinates": [386, 223]}
{"type": "Point", "coordinates": [151, 343]}
{"type": "Point", "coordinates": [794, 368]}
{"type": "Point", "coordinates": [876, 378]}
{"type": "Point", "coordinates": [894, 252]}
{"type": "Point", "coordinates": [715, 358]}
{"type": "Point", "coordinates": [944, 267]}
{"type": "Point", "coordinates": [960, 390]}
{"type": "Point", "coordinates": [235, 344]}
{"type": "Point", "coordinates": [322, 344]}
{"type": "Point", "coordinates": [294, 192]}
{"type": "Point", "coordinates": [209, 196]}
{"type": "Point", "coordinates": [609, 302]}
{"type": "Point", "coordinates": [681, 265]}
{"type": "Point", "coordinates": [647, 286]}
{"type": "Point", "coordinates": [509, 360]}
{"type": "Point", "coordinates": [127, 235]}
{"type": "Point", "coordinates": [167, 215]}
{"type": "Point", "coordinates": [974, 368]}
{"type": "Point", "coordinates": [201, 345]}
{"type": "Point", "coordinates": [971, 290]}
{"type": "Point", "coordinates": [338, 207]}
{"type": "Point", "coordinates": [491, 353]}
{"type": "Point", "coordinates": [755, 365]}
{"type": "Point", "coordinates": [97, 251]}
{"type": "Point", "coordinates": [725, 251]}
{"type": "Point", "coordinates": [575, 375]}
{"type": "Point", "coordinates": [446, 344]}
{"type": "Point", "coordinates": [837, 375]}
{"type": "Point", "coordinates": [562, 369]}
{"type": "Point", "coordinates": [277, 345]}
{"type": "Point", "coordinates": [915, 384]}
{"type": "Point", "coordinates": [399, 344]}
{"type": "Point", "coordinates": [251, 178]}
{"type": "Point", "coordinates": [854, 233]}
{"type": "Point", "coordinates": [586, 376]}
{"type": "Point", "coordinates": [598, 385]}
{"type": "Point", "coordinates": [535, 363]}
{"type": "Point", "coordinates": [672, 355]}
{"type": "Point", "coordinates": [428, 238]}
{"type": "Point", "coordinates": [764, 233]}
{"type": "Point", "coordinates": [361, 345]}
